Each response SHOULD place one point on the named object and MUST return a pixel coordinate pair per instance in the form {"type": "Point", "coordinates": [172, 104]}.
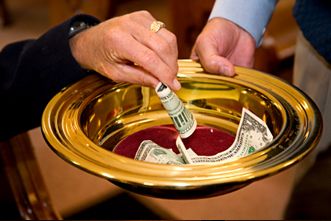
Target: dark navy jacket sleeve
{"type": "Point", "coordinates": [314, 20]}
{"type": "Point", "coordinates": [32, 72]}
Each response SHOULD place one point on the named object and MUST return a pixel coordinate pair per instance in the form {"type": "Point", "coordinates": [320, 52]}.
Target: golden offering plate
{"type": "Point", "coordinates": [85, 121]}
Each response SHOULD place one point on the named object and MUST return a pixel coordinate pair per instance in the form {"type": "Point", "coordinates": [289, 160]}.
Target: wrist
{"type": "Point", "coordinates": [77, 27]}
{"type": "Point", "coordinates": [245, 36]}
{"type": "Point", "coordinates": [77, 37]}
{"type": "Point", "coordinates": [77, 42]}
{"type": "Point", "coordinates": [252, 15]}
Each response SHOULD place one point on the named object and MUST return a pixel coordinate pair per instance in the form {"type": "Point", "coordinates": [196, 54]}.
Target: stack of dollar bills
{"type": "Point", "coordinates": [252, 135]}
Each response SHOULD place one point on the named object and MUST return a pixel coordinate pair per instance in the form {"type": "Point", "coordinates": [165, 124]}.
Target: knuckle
{"type": "Point", "coordinates": [199, 40]}
{"type": "Point", "coordinates": [131, 17]}
{"type": "Point", "coordinates": [172, 44]}
{"type": "Point", "coordinates": [123, 19]}
{"type": "Point", "coordinates": [163, 47]}
{"type": "Point", "coordinates": [142, 80]}
{"type": "Point", "coordinates": [168, 76]}
{"type": "Point", "coordinates": [172, 39]}
{"type": "Point", "coordinates": [211, 65]}
{"type": "Point", "coordinates": [149, 58]}
{"type": "Point", "coordinates": [143, 13]}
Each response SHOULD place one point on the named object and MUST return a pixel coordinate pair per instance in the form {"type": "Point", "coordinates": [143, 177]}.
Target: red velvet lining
{"type": "Point", "coordinates": [205, 141]}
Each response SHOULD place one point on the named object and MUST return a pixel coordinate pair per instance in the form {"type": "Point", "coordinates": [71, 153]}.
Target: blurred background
{"type": "Point", "coordinates": [74, 194]}
{"type": "Point", "coordinates": [186, 18]}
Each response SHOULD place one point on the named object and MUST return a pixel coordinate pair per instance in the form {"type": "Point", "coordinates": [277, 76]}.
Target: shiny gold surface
{"type": "Point", "coordinates": [84, 122]}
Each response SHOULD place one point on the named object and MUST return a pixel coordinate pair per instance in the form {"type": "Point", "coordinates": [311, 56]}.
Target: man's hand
{"type": "Point", "coordinates": [124, 49]}
{"type": "Point", "coordinates": [223, 44]}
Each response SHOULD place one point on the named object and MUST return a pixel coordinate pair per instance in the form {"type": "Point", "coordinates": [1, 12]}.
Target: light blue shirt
{"type": "Point", "coordinates": [251, 15]}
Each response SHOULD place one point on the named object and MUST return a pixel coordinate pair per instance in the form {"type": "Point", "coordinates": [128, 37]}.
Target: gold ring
{"type": "Point", "coordinates": [156, 26]}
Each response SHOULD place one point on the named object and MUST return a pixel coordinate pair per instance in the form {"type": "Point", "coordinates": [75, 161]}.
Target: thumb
{"type": "Point", "coordinates": [218, 65]}
{"type": "Point", "coordinates": [194, 56]}
{"type": "Point", "coordinates": [212, 61]}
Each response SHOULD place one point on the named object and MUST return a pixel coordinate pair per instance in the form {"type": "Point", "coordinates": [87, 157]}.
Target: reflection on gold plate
{"type": "Point", "coordinates": [85, 121]}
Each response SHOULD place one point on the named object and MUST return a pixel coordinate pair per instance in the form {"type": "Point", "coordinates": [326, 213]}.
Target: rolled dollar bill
{"type": "Point", "coordinates": [182, 118]}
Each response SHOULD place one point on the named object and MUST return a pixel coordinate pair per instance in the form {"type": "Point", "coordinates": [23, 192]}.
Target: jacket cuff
{"type": "Point", "coordinates": [61, 66]}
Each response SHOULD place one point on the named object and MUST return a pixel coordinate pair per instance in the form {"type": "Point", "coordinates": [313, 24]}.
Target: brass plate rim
{"type": "Point", "coordinates": [180, 176]}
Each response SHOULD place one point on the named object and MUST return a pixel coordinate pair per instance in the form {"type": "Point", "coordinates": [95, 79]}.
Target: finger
{"type": "Point", "coordinates": [218, 65]}
{"type": "Point", "coordinates": [151, 62]}
{"type": "Point", "coordinates": [163, 43]}
{"type": "Point", "coordinates": [212, 61]}
{"type": "Point", "coordinates": [171, 40]}
{"type": "Point", "coordinates": [194, 56]}
{"type": "Point", "coordinates": [131, 74]}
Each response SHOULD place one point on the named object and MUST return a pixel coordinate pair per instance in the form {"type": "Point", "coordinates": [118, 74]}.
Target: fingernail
{"type": "Point", "coordinates": [194, 57]}
{"type": "Point", "coordinates": [176, 85]}
{"type": "Point", "coordinates": [226, 70]}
